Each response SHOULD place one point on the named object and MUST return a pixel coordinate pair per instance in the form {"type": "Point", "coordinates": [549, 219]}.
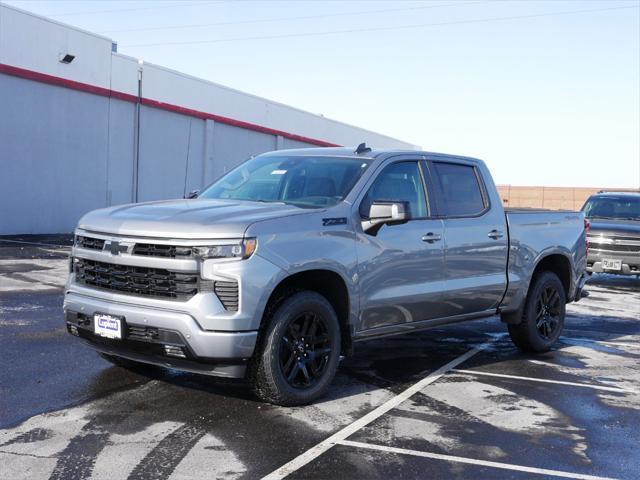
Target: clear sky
{"type": "Point", "coordinates": [546, 97]}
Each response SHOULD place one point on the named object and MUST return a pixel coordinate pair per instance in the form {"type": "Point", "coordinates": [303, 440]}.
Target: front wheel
{"type": "Point", "coordinates": [543, 318]}
{"type": "Point", "coordinates": [299, 352]}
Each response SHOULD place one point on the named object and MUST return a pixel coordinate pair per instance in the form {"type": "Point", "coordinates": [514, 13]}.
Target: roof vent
{"type": "Point", "coordinates": [362, 148]}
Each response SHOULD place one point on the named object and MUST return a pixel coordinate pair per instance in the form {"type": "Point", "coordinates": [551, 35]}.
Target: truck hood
{"type": "Point", "coordinates": [614, 227]}
{"type": "Point", "coordinates": [188, 219]}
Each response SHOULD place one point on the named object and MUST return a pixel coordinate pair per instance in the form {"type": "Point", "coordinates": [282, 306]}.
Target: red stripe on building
{"type": "Point", "coordinates": [234, 122]}
{"type": "Point", "coordinates": [105, 92]}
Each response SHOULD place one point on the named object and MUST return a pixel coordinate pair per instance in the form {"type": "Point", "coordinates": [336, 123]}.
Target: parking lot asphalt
{"type": "Point", "coordinates": [453, 402]}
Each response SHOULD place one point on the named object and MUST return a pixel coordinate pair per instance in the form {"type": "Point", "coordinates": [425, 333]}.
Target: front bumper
{"type": "Point", "coordinates": [148, 330]}
{"type": "Point", "coordinates": [630, 262]}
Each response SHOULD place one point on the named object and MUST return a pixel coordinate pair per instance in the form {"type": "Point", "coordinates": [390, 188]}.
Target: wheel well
{"type": "Point", "coordinates": [558, 264]}
{"type": "Point", "coordinates": [325, 282]}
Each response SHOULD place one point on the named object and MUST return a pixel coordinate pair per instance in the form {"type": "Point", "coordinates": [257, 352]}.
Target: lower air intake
{"type": "Point", "coordinates": [227, 293]}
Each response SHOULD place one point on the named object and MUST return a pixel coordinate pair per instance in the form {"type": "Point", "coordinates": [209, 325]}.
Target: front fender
{"type": "Point", "coordinates": [305, 245]}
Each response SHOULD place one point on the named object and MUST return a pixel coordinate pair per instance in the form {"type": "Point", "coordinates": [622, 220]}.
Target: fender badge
{"type": "Point", "coordinates": [328, 222]}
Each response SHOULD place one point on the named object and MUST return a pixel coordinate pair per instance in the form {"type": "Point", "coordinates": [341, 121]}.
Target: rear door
{"type": "Point", "coordinates": [475, 233]}
{"type": "Point", "coordinates": [400, 267]}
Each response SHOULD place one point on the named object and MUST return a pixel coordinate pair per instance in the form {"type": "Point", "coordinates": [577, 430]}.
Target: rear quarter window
{"type": "Point", "coordinates": [460, 189]}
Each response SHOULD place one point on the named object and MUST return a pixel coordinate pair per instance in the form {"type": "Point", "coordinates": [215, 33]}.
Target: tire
{"type": "Point", "coordinates": [286, 370]}
{"type": "Point", "coordinates": [543, 317]}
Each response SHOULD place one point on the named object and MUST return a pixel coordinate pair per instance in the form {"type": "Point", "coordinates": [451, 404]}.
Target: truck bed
{"type": "Point", "coordinates": [536, 233]}
{"type": "Point", "coordinates": [535, 210]}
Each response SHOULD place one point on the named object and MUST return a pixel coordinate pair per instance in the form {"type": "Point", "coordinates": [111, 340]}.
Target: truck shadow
{"type": "Point", "coordinates": [615, 283]}
{"type": "Point", "coordinates": [226, 410]}
{"type": "Point", "coordinates": [394, 363]}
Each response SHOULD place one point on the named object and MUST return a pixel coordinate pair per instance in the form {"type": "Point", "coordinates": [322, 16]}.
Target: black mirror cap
{"type": "Point", "coordinates": [192, 194]}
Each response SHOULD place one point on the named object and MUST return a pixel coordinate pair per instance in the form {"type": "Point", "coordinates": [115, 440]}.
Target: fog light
{"type": "Point", "coordinates": [73, 330]}
{"type": "Point", "coordinates": [174, 351]}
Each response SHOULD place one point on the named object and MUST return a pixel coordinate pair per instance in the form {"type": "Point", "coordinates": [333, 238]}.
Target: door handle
{"type": "Point", "coordinates": [431, 237]}
{"type": "Point", "coordinates": [495, 234]}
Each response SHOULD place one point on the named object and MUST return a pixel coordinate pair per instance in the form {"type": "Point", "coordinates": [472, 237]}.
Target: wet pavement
{"type": "Point", "coordinates": [454, 402]}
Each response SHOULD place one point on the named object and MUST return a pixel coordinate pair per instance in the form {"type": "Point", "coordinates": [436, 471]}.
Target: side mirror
{"type": "Point", "coordinates": [192, 194]}
{"type": "Point", "coordinates": [382, 212]}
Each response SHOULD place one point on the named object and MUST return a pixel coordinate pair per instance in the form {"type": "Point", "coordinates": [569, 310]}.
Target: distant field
{"type": "Point", "coordinates": [554, 198]}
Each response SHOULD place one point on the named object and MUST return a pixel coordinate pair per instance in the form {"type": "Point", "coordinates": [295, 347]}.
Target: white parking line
{"type": "Point", "coordinates": [314, 452]}
{"type": "Point", "coordinates": [603, 342]}
{"type": "Point", "coordinates": [545, 380]}
{"type": "Point", "coordinates": [600, 332]}
{"type": "Point", "coordinates": [472, 461]}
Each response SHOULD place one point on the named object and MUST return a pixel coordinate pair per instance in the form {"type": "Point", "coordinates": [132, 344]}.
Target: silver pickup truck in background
{"type": "Point", "coordinates": [288, 261]}
{"type": "Point", "coordinates": [614, 232]}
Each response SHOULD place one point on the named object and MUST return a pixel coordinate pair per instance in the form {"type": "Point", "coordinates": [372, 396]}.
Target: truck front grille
{"type": "Point", "coordinates": [89, 242]}
{"type": "Point", "coordinates": [142, 333]}
{"type": "Point", "coordinates": [610, 247]}
{"type": "Point", "coordinates": [159, 250]}
{"type": "Point", "coordinates": [150, 282]}
{"type": "Point", "coordinates": [227, 293]}
{"type": "Point", "coordinates": [142, 249]}
{"type": "Point", "coordinates": [615, 244]}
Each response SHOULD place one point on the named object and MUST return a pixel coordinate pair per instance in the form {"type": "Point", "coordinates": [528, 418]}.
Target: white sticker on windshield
{"type": "Point", "coordinates": [278, 172]}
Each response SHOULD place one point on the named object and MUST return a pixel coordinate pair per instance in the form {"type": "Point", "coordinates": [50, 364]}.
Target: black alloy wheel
{"type": "Point", "coordinates": [304, 350]}
{"type": "Point", "coordinates": [548, 310]}
{"type": "Point", "coordinates": [543, 314]}
{"type": "Point", "coordinates": [297, 354]}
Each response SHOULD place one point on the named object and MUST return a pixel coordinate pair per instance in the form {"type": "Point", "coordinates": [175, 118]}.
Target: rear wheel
{"type": "Point", "coordinates": [299, 351]}
{"type": "Point", "coordinates": [543, 318]}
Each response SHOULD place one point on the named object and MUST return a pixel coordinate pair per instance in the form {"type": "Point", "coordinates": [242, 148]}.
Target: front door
{"type": "Point", "coordinates": [400, 267]}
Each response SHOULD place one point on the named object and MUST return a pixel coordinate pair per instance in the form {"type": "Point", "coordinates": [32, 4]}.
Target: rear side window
{"type": "Point", "coordinates": [461, 191]}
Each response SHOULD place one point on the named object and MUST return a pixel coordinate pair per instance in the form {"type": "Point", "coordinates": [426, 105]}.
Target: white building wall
{"type": "Point", "coordinates": [32, 42]}
{"type": "Point", "coordinates": [54, 150]}
{"type": "Point", "coordinates": [124, 74]}
{"type": "Point", "coordinates": [74, 137]}
{"type": "Point", "coordinates": [175, 88]}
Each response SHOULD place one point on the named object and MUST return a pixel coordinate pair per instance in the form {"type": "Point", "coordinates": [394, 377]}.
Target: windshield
{"type": "Point", "coordinates": [619, 208]}
{"type": "Point", "coordinates": [303, 181]}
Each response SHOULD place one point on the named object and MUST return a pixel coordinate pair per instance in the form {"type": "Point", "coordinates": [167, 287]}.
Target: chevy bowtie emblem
{"type": "Point", "coordinates": [114, 247]}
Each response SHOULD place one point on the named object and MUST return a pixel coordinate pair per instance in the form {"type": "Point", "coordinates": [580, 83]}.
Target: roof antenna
{"type": "Point", "coordinates": [362, 148]}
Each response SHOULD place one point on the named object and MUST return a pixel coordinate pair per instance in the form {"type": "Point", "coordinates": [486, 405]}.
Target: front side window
{"type": "Point", "coordinates": [399, 182]}
{"type": "Point", "coordinates": [311, 182]}
{"type": "Point", "coordinates": [461, 192]}
{"type": "Point", "coordinates": [618, 208]}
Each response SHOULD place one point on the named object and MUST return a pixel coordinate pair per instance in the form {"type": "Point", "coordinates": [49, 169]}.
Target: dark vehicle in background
{"type": "Point", "coordinates": [614, 234]}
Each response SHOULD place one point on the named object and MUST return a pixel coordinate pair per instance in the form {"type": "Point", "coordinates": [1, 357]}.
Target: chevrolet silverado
{"type": "Point", "coordinates": [287, 262]}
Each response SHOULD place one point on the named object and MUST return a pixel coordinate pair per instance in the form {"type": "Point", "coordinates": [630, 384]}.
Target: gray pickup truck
{"type": "Point", "coordinates": [614, 232]}
{"type": "Point", "coordinates": [284, 264]}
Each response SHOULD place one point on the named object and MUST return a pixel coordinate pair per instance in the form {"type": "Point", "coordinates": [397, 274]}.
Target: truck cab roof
{"type": "Point", "coordinates": [373, 153]}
